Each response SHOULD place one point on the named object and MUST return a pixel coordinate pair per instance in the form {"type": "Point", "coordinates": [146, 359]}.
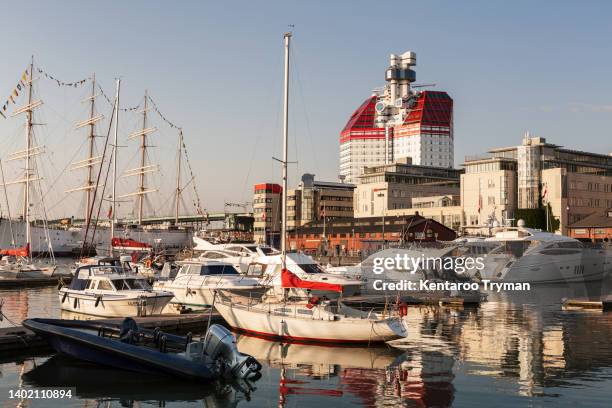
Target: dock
{"type": "Point", "coordinates": [21, 341]}
{"type": "Point", "coordinates": [8, 283]}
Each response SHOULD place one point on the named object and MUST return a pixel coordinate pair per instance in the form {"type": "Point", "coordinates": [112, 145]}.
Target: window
{"type": "Point", "coordinates": [105, 285]}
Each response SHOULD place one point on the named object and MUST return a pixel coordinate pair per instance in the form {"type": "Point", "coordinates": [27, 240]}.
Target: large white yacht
{"type": "Point", "coordinates": [520, 254]}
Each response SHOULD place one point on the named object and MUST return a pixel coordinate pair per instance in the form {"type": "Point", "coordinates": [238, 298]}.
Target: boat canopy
{"type": "Point", "coordinates": [291, 280]}
{"type": "Point", "coordinates": [22, 251]}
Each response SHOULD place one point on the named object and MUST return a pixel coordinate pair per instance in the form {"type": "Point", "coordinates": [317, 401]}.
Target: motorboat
{"type": "Point", "coordinates": [195, 282]}
{"type": "Point", "coordinates": [129, 347]}
{"type": "Point", "coordinates": [520, 254]}
{"type": "Point", "coordinates": [241, 255]}
{"type": "Point", "coordinates": [108, 291]}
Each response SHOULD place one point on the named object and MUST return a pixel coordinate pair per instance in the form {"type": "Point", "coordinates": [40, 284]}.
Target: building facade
{"type": "Point", "coordinates": [267, 199]}
{"type": "Point", "coordinates": [314, 200]}
{"type": "Point", "coordinates": [394, 186]}
{"type": "Point", "coordinates": [575, 184]}
{"type": "Point", "coordinates": [398, 122]}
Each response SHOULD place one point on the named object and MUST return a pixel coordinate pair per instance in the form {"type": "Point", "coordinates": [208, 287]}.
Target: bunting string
{"type": "Point", "coordinates": [161, 115]}
{"type": "Point", "coordinates": [112, 103]}
{"type": "Point", "coordinates": [14, 93]}
{"type": "Point", "coordinates": [197, 203]}
{"type": "Point", "coordinates": [62, 83]}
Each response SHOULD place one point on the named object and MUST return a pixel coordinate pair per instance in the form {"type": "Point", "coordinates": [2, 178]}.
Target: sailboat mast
{"type": "Point", "coordinates": [114, 157]}
{"type": "Point", "coordinates": [143, 157]}
{"type": "Point", "coordinates": [26, 201]}
{"type": "Point", "coordinates": [178, 177]}
{"type": "Point", "coordinates": [90, 152]}
{"type": "Point", "coordinates": [285, 152]}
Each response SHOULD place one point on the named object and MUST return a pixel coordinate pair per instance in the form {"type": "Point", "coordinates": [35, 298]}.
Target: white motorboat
{"type": "Point", "coordinates": [241, 255]}
{"type": "Point", "coordinates": [108, 291]}
{"type": "Point", "coordinates": [196, 282]}
{"type": "Point", "coordinates": [520, 254]}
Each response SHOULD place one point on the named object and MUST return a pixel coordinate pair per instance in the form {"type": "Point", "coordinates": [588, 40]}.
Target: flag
{"type": "Point", "coordinates": [110, 212]}
{"type": "Point", "coordinates": [545, 193]}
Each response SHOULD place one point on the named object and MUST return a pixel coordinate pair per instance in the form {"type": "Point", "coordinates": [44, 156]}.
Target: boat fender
{"type": "Point", "coordinates": [76, 302]}
{"type": "Point", "coordinates": [156, 334]}
{"type": "Point", "coordinates": [64, 297]}
{"type": "Point", "coordinates": [163, 347]}
{"type": "Point", "coordinates": [60, 284]}
{"type": "Point", "coordinates": [403, 309]}
{"type": "Point", "coordinates": [98, 300]}
{"type": "Point", "coordinates": [220, 346]}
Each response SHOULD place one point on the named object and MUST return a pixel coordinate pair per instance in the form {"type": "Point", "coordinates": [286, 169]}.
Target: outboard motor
{"type": "Point", "coordinates": [221, 343]}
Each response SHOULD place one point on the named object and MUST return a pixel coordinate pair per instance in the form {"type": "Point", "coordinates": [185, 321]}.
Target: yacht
{"type": "Point", "coordinates": [108, 291]}
{"type": "Point", "coordinates": [520, 254]}
{"type": "Point", "coordinates": [241, 255]}
{"type": "Point", "coordinates": [196, 282]}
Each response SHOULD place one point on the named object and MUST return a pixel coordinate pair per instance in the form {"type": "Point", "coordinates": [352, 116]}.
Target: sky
{"type": "Point", "coordinates": [215, 69]}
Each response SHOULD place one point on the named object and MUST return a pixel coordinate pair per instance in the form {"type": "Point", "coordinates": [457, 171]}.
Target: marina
{"type": "Point", "coordinates": [165, 242]}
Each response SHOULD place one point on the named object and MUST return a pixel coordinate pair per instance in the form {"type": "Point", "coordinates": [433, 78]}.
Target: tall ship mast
{"type": "Point", "coordinates": [144, 168]}
{"type": "Point", "coordinates": [29, 178]}
{"type": "Point", "coordinates": [90, 161]}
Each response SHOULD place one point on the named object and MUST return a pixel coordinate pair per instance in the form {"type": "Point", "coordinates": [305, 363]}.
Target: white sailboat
{"type": "Point", "coordinates": [294, 314]}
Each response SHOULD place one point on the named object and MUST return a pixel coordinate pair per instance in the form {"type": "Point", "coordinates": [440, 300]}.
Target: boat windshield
{"type": "Point", "coordinates": [220, 269]}
{"type": "Point", "coordinates": [267, 250]}
{"type": "Point", "coordinates": [311, 268]}
{"type": "Point", "coordinates": [131, 284]}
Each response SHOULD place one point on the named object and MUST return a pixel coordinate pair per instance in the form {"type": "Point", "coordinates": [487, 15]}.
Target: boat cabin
{"type": "Point", "coordinates": [106, 278]}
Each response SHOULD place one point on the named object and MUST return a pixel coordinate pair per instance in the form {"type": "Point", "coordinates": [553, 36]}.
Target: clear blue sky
{"type": "Point", "coordinates": [216, 69]}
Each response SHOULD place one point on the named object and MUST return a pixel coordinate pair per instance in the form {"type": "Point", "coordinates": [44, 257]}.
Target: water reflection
{"type": "Point", "coordinates": [104, 384]}
{"type": "Point", "coordinates": [518, 348]}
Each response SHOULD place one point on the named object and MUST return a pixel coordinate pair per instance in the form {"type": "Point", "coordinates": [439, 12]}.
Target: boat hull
{"type": "Point", "coordinates": [68, 337]}
{"type": "Point", "coordinates": [298, 329]}
{"type": "Point", "coordinates": [70, 241]}
{"type": "Point", "coordinates": [568, 266]}
{"type": "Point", "coordinates": [121, 307]}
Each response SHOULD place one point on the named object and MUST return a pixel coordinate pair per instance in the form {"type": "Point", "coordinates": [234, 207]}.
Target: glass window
{"type": "Point", "coordinates": [105, 285]}
{"type": "Point", "coordinates": [311, 268]}
{"type": "Point", "coordinates": [217, 270]}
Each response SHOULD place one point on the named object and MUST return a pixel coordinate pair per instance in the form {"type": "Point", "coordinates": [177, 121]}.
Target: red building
{"type": "Point", "coordinates": [353, 235]}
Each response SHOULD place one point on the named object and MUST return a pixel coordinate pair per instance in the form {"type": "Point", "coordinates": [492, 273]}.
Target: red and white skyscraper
{"type": "Point", "coordinates": [397, 122]}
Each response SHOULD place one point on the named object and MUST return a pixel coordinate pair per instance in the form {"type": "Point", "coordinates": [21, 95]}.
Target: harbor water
{"type": "Point", "coordinates": [516, 349]}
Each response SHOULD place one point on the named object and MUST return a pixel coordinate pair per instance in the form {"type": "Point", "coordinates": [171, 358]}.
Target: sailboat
{"type": "Point", "coordinates": [17, 261]}
{"type": "Point", "coordinates": [289, 311]}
